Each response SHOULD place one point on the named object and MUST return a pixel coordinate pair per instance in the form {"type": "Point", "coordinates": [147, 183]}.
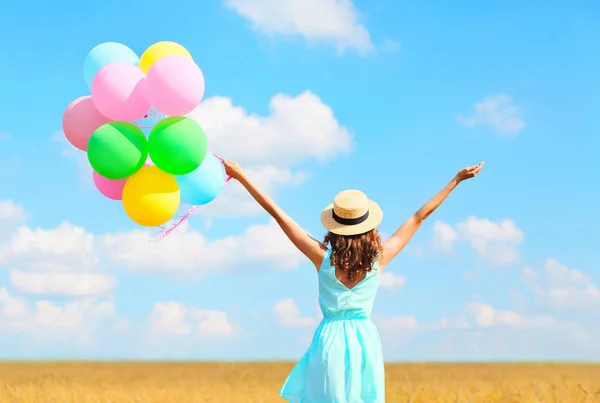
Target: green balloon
{"type": "Point", "coordinates": [177, 145]}
{"type": "Point", "coordinates": [117, 150]}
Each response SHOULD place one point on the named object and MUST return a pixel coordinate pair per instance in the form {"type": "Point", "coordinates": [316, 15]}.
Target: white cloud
{"type": "Point", "coordinates": [78, 318]}
{"type": "Point", "coordinates": [494, 241]}
{"type": "Point", "coordinates": [175, 318]}
{"type": "Point", "coordinates": [557, 275]}
{"type": "Point", "coordinates": [53, 262]}
{"type": "Point", "coordinates": [391, 281]}
{"type": "Point", "coordinates": [459, 322]}
{"type": "Point", "coordinates": [187, 250]}
{"type": "Point", "coordinates": [11, 307]}
{"type": "Point", "coordinates": [11, 216]}
{"type": "Point", "coordinates": [11, 211]}
{"type": "Point", "coordinates": [75, 285]}
{"type": "Point", "coordinates": [66, 247]}
{"type": "Point", "coordinates": [529, 275]}
{"type": "Point", "coordinates": [485, 315]}
{"type": "Point", "coordinates": [482, 231]}
{"type": "Point", "coordinates": [330, 21]}
{"type": "Point", "coordinates": [287, 314]}
{"type": "Point", "coordinates": [73, 316]}
{"type": "Point", "coordinates": [296, 129]}
{"type": "Point", "coordinates": [37, 255]}
{"type": "Point", "coordinates": [497, 111]}
{"type": "Point", "coordinates": [584, 298]}
{"type": "Point", "coordinates": [562, 288]}
{"type": "Point", "coordinates": [213, 323]}
{"type": "Point", "coordinates": [169, 317]}
{"type": "Point", "coordinates": [444, 236]}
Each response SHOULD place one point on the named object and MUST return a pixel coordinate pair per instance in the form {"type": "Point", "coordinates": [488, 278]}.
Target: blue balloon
{"type": "Point", "coordinates": [103, 54]}
{"type": "Point", "coordinates": [204, 184]}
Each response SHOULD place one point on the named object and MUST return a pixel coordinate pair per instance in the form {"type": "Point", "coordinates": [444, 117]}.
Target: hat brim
{"type": "Point", "coordinates": [375, 218]}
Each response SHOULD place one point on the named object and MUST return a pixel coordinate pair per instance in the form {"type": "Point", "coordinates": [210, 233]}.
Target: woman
{"type": "Point", "coordinates": [344, 363]}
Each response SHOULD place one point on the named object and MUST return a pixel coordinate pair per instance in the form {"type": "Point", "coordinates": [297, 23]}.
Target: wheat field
{"type": "Point", "coordinates": [87, 382]}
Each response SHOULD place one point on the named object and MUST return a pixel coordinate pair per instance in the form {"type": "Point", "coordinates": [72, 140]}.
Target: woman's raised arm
{"type": "Point", "coordinates": [398, 241]}
{"type": "Point", "coordinates": [311, 248]}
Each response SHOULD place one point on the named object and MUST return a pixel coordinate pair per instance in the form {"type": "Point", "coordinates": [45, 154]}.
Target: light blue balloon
{"type": "Point", "coordinates": [103, 54]}
{"type": "Point", "coordinates": [204, 184]}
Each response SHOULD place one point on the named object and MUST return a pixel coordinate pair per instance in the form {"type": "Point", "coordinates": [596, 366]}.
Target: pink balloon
{"type": "Point", "coordinates": [175, 85]}
{"type": "Point", "coordinates": [119, 92]}
{"type": "Point", "coordinates": [80, 120]}
{"type": "Point", "coordinates": [113, 189]}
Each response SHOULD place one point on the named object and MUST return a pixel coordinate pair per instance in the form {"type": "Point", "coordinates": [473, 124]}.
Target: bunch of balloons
{"type": "Point", "coordinates": [151, 174]}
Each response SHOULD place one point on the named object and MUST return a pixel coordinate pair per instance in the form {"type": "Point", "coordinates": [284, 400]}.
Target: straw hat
{"type": "Point", "coordinates": [351, 213]}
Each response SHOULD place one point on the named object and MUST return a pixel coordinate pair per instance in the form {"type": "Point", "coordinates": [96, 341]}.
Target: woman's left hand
{"type": "Point", "coordinates": [233, 169]}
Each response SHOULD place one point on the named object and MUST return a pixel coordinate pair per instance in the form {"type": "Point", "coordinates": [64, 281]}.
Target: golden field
{"type": "Point", "coordinates": [83, 382]}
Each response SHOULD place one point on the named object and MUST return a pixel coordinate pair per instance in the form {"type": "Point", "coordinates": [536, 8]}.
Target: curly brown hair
{"type": "Point", "coordinates": [354, 254]}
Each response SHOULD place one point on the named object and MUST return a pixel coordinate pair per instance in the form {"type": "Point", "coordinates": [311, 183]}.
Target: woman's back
{"type": "Point", "coordinates": [338, 301]}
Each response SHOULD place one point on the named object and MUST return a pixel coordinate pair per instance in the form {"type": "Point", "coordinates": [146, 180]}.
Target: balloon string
{"type": "Point", "coordinates": [228, 176]}
{"type": "Point", "coordinates": [165, 232]}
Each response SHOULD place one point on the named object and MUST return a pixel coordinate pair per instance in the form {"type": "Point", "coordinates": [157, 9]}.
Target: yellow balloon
{"type": "Point", "coordinates": [160, 50]}
{"type": "Point", "coordinates": [151, 196]}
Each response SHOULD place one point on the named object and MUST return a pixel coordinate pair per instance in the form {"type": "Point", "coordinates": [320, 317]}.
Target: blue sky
{"type": "Point", "coordinates": [313, 97]}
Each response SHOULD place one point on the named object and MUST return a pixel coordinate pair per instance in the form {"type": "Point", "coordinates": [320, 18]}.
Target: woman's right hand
{"type": "Point", "coordinates": [233, 169]}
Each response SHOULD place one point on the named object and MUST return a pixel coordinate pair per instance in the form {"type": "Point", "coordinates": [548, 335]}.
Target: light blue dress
{"type": "Point", "coordinates": [344, 363]}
